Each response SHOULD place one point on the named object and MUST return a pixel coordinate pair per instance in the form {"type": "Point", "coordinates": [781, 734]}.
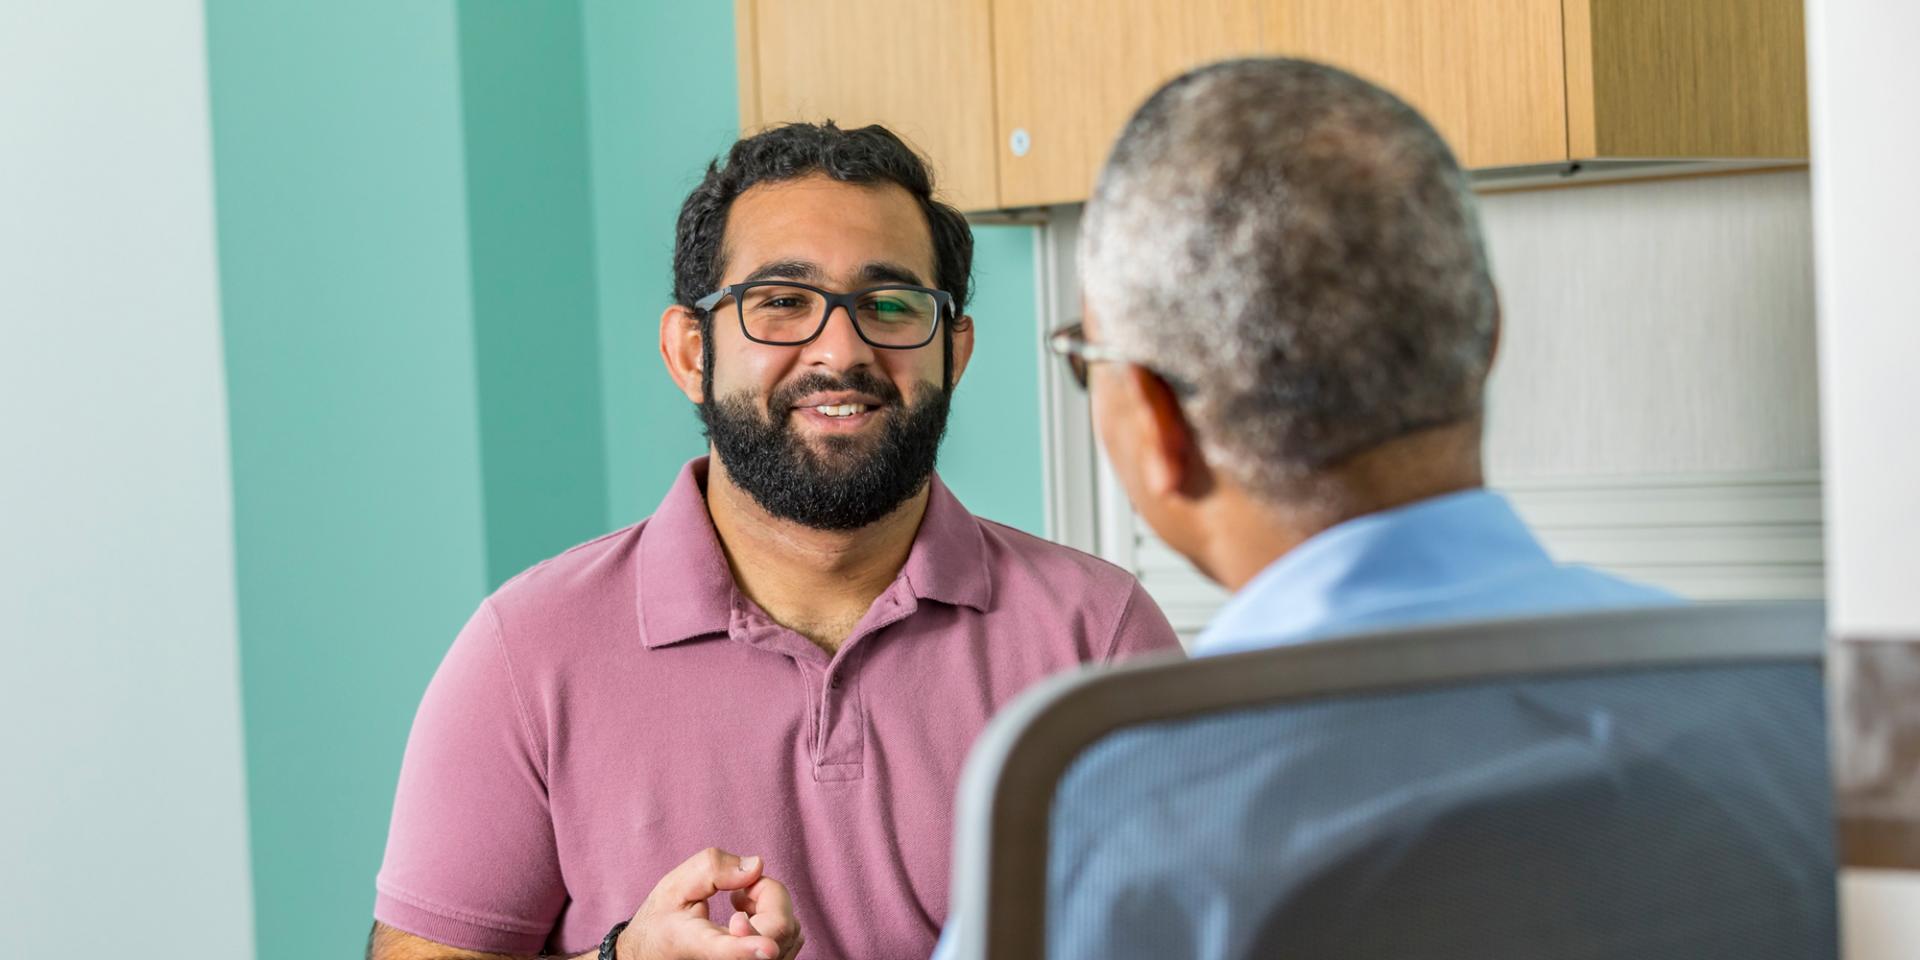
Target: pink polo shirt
{"type": "Point", "coordinates": [611, 711]}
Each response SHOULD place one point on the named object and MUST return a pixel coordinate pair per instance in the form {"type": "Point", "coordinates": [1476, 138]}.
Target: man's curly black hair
{"type": "Point", "coordinates": [867, 155]}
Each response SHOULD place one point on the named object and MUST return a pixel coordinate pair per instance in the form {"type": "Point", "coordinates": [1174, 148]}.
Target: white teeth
{"type": "Point", "coordinates": [841, 410]}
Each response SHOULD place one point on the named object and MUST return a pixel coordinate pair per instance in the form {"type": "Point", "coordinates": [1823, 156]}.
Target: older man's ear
{"type": "Point", "coordinates": [1171, 463]}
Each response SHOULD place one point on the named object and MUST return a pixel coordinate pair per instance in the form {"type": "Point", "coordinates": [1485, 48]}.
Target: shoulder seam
{"type": "Point", "coordinates": [571, 550]}
{"type": "Point", "coordinates": [513, 687]}
{"type": "Point", "coordinates": [1113, 642]}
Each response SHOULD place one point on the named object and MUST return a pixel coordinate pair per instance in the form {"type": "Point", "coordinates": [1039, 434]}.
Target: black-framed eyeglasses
{"type": "Point", "coordinates": [782, 313]}
{"type": "Point", "coordinates": [1070, 343]}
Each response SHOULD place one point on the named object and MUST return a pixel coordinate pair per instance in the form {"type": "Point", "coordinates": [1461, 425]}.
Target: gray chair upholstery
{"type": "Point", "coordinates": [1647, 784]}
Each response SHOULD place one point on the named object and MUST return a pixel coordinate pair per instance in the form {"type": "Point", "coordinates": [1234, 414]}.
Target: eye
{"type": "Point", "coordinates": [780, 300]}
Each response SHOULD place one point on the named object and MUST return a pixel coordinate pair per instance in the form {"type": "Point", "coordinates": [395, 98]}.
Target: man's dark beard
{"type": "Point", "coordinates": [846, 488]}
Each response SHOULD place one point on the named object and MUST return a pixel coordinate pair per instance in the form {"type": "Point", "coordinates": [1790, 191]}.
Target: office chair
{"type": "Point", "coordinates": [1627, 785]}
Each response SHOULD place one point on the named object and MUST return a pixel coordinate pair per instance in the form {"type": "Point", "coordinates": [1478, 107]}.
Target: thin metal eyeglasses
{"type": "Point", "coordinates": [783, 313]}
{"type": "Point", "coordinates": [1070, 343]}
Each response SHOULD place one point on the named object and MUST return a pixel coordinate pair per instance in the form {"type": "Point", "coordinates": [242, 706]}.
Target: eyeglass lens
{"type": "Point", "coordinates": [781, 314]}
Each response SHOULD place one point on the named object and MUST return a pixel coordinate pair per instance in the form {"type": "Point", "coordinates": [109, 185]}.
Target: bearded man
{"type": "Point", "coordinates": [790, 658]}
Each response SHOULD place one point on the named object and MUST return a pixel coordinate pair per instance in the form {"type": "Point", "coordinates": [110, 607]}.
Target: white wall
{"type": "Point", "coordinates": [1866, 201]}
{"type": "Point", "coordinates": [1880, 914]}
{"type": "Point", "coordinates": [1654, 409]}
{"type": "Point", "coordinates": [122, 819]}
{"type": "Point", "coordinates": [1654, 328]}
{"type": "Point", "coordinates": [1861, 71]}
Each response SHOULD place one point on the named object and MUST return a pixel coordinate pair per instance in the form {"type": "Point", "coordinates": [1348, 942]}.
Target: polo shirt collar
{"type": "Point", "coordinates": [948, 561]}
{"type": "Point", "coordinates": [686, 588]}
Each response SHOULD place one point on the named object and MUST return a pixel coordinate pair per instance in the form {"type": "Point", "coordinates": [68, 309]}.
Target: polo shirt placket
{"type": "Point", "coordinates": [835, 730]}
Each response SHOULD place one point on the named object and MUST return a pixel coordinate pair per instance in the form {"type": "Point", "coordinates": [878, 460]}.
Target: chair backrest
{"type": "Point", "coordinates": [1646, 784]}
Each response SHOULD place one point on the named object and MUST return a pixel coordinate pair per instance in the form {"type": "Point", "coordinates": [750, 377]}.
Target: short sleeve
{"type": "Point", "coordinates": [471, 859]}
{"type": "Point", "coordinates": [1142, 629]}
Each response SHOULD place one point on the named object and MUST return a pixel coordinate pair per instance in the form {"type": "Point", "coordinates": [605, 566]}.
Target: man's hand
{"type": "Point", "coordinates": [672, 924]}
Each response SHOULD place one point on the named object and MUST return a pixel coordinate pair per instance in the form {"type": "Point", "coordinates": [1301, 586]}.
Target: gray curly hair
{"type": "Point", "coordinates": [1300, 249]}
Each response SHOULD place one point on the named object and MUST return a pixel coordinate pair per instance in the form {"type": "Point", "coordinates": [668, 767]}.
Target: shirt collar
{"type": "Point", "coordinates": [685, 588]}
{"type": "Point", "coordinates": [948, 562]}
{"type": "Point", "coordinates": [1353, 569]}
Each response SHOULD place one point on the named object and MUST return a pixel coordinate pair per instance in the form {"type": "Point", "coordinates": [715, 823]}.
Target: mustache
{"type": "Point", "coordinates": [853, 381]}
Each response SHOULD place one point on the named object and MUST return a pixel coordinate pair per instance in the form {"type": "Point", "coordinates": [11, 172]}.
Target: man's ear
{"type": "Point", "coordinates": [1171, 460]}
{"type": "Point", "coordinates": [683, 349]}
{"type": "Point", "coordinates": [962, 350]}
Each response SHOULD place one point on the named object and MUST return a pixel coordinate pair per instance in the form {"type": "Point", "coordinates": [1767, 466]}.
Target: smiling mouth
{"type": "Point", "coordinates": [840, 411]}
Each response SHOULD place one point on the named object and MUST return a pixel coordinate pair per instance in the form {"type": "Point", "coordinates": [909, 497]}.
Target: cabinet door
{"type": "Point", "coordinates": [1702, 79]}
{"type": "Point", "coordinates": [924, 69]}
{"type": "Point", "coordinates": [1070, 72]}
{"type": "Point", "coordinates": [1489, 74]}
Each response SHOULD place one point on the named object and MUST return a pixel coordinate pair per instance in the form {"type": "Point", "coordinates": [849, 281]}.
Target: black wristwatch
{"type": "Point", "coordinates": [607, 951]}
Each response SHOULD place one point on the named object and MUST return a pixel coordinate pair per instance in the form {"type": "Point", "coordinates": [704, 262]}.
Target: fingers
{"type": "Point", "coordinates": [790, 943]}
{"type": "Point", "coordinates": [769, 908]}
{"type": "Point", "coordinates": [763, 926]}
{"type": "Point", "coordinates": [707, 873]}
{"type": "Point", "coordinates": [712, 943]}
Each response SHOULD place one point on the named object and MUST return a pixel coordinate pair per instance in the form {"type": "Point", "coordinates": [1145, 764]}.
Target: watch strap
{"type": "Point", "coordinates": [608, 947]}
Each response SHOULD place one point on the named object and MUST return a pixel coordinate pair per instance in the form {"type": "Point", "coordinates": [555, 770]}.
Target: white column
{"type": "Point", "coordinates": [125, 800]}
{"type": "Point", "coordinates": [1867, 253]}
{"type": "Point", "coordinates": [1867, 233]}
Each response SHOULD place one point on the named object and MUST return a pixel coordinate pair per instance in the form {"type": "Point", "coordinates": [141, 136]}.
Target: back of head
{"type": "Point", "coordinates": [1301, 249]}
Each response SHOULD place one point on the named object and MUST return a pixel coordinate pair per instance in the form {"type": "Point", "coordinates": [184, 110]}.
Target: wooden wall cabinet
{"type": "Point", "coordinates": [1018, 101]}
{"type": "Point", "coordinates": [1488, 74]}
{"type": "Point", "coordinates": [1528, 82]}
{"type": "Point", "coordinates": [1686, 79]}
{"type": "Point", "coordinates": [922, 67]}
{"type": "Point", "coordinates": [1068, 73]}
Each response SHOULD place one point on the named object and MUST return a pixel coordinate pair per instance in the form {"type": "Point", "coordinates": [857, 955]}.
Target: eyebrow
{"type": "Point", "coordinates": [881, 271]}
{"type": "Point", "coordinates": [806, 271]}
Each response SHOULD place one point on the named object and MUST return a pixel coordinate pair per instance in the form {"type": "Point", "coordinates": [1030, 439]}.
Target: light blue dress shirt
{"type": "Point", "coordinates": [1462, 556]}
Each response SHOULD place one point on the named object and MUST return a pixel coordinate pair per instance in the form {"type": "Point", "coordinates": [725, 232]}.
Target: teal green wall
{"type": "Point", "coordinates": [359, 536]}
{"type": "Point", "coordinates": [663, 102]}
{"type": "Point", "coordinates": [445, 239]}
{"type": "Point", "coordinates": [536, 326]}
{"type": "Point", "coordinates": [992, 455]}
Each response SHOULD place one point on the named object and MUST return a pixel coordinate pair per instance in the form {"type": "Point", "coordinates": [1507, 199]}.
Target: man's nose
{"type": "Point", "coordinates": [838, 347]}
